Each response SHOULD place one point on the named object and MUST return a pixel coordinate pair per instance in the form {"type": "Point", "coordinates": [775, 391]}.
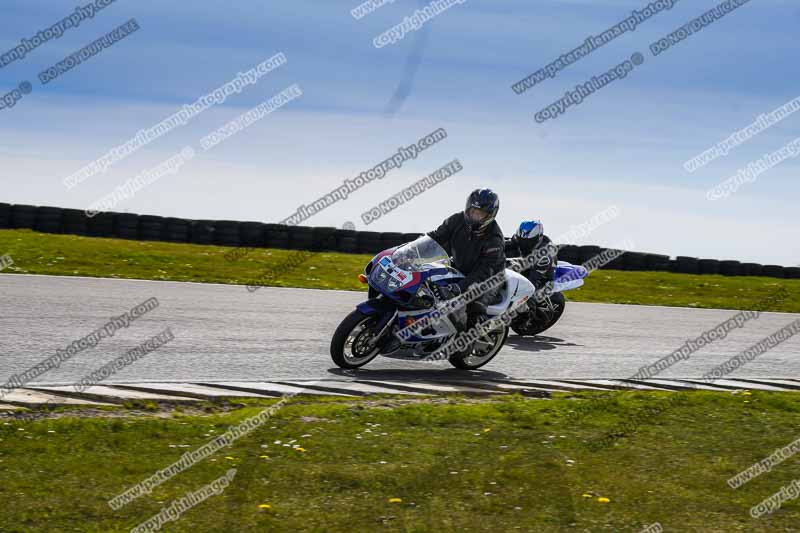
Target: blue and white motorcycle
{"type": "Point", "coordinates": [544, 310]}
{"type": "Point", "coordinates": [403, 289]}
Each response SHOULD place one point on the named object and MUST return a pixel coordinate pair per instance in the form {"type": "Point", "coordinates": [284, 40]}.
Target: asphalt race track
{"type": "Point", "coordinates": [227, 333]}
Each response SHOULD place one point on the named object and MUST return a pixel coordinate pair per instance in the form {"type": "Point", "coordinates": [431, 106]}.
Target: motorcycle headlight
{"type": "Point", "coordinates": [382, 280]}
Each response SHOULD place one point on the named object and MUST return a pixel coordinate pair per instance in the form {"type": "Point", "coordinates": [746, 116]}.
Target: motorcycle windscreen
{"type": "Point", "coordinates": [419, 255]}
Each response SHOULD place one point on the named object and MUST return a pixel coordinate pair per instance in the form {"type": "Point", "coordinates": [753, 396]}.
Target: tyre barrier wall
{"type": "Point", "coordinates": [322, 239]}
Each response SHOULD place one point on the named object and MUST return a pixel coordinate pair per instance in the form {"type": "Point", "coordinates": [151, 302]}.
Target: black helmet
{"type": "Point", "coordinates": [482, 207]}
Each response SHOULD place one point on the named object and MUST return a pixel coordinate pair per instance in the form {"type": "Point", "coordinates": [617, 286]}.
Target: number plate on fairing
{"type": "Point", "coordinates": [395, 273]}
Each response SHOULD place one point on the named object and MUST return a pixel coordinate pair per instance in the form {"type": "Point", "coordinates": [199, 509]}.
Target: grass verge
{"type": "Point", "coordinates": [69, 255]}
{"type": "Point", "coordinates": [425, 464]}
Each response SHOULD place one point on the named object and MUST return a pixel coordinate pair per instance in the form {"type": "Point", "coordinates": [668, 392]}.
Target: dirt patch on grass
{"type": "Point", "coordinates": [169, 410]}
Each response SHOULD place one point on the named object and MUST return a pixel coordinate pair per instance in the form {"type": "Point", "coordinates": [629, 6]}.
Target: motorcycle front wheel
{"type": "Point", "coordinates": [351, 345]}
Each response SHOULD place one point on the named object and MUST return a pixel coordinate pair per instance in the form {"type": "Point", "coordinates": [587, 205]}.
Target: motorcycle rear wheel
{"type": "Point", "coordinates": [350, 342]}
{"type": "Point", "coordinates": [527, 327]}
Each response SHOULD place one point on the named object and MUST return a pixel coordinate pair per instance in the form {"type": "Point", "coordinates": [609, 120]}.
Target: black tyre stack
{"type": "Point", "coordinates": [320, 239]}
{"type": "Point", "coordinates": [369, 242]}
{"type": "Point", "coordinates": [203, 231]}
{"type": "Point", "coordinates": [346, 241]}
{"type": "Point", "coordinates": [791, 272]}
{"type": "Point", "coordinates": [636, 261]}
{"type": "Point", "coordinates": [657, 262]}
{"type": "Point", "coordinates": [686, 265]}
{"type": "Point", "coordinates": [151, 227]}
{"type": "Point", "coordinates": [277, 236]}
{"type": "Point", "coordinates": [730, 268]}
{"type": "Point", "coordinates": [74, 222]}
{"type": "Point", "coordinates": [588, 252]}
{"type": "Point", "coordinates": [176, 230]}
{"type": "Point", "coordinates": [618, 263]}
{"type": "Point", "coordinates": [300, 238]}
{"type": "Point", "coordinates": [708, 266]}
{"type": "Point", "coordinates": [254, 234]}
{"type": "Point", "coordinates": [101, 225]}
{"type": "Point", "coordinates": [227, 233]}
{"type": "Point", "coordinates": [391, 239]}
{"type": "Point", "coordinates": [5, 216]}
{"type": "Point", "coordinates": [773, 271]}
{"type": "Point", "coordinates": [323, 239]}
{"type": "Point", "coordinates": [569, 253]}
{"type": "Point", "coordinates": [48, 219]}
{"type": "Point", "coordinates": [23, 216]}
{"type": "Point", "coordinates": [751, 269]}
{"type": "Point", "coordinates": [126, 226]}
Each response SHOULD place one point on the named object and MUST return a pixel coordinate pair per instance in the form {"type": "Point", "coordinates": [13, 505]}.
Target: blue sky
{"type": "Point", "coordinates": [623, 146]}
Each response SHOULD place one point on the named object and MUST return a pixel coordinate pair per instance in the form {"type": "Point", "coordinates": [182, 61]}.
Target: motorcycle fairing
{"type": "Point", "coordinates": [568, 276]}
{"type": "Point", "coordinates": [517, 287]}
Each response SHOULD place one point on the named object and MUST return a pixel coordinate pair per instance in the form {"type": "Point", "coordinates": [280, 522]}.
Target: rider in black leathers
{"type": "Point", "coordinates": [530, 240]}
{"type": "Point", "coordinates": [475, 242]}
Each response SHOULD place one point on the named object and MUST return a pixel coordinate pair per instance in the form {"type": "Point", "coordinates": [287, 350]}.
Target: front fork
{"type": "Point", "coordinates": [386, 313]}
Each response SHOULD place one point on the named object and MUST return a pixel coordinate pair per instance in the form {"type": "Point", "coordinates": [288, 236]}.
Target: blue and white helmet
{"type": "Point", "coordinates": [530, 229]}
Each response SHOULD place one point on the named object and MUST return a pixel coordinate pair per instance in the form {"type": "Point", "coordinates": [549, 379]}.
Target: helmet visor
{"type": "Point", "coordinates": [476, 216]}
{"type": "Point", "coordinates": [526, 246]}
